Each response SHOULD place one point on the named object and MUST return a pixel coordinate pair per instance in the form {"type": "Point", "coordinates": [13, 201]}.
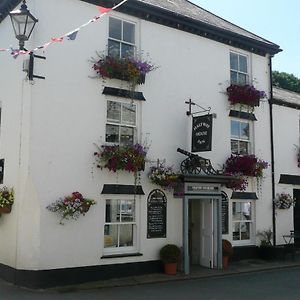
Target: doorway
{"type": "Point", "coordinates": [203, 240]}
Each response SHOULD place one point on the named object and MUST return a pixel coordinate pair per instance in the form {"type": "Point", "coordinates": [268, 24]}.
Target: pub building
{"type": "Point", "coordinates": [107, 168]}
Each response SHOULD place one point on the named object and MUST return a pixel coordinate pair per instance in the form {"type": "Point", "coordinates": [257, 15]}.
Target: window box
{"type": "Point", "coordinates": [244, 94]}
{"type": "Point", "coordinates": [127, 68]}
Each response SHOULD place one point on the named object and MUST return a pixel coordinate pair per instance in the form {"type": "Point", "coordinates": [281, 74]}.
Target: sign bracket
{"type": "Point", "coordinates": [191, 103]}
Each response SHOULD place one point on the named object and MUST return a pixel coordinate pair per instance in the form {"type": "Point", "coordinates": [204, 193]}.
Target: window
{"type": "Point", "coordinates": [121, 38]}
{"type": "Point", "coordinates": [121, 123]}
{"type": "Point", "coordinates": [238, 69]}
{"type": "Point", "coordinates": [240, 137]}
{"type": "Point", "coordinates": [120, 225]}
{"type": "Point", "coordinates": [242, 220]}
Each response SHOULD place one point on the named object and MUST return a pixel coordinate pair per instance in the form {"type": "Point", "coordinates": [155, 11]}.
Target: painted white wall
{"type": "Point", "coordinates": [64, 116]}
{"type": "Point", "coordinates": [286, 140]}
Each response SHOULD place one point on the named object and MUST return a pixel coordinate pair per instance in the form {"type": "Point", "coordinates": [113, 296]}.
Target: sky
{"type": "Point", "coordinates": [275, 20]}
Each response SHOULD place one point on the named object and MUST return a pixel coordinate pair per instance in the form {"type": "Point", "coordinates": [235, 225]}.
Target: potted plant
{"type": "Point", "coordinates": [266, 250]}
{"type": "Point", "coordinates": [71, 207]}
{"type": "Point", "coordinates": [6, 200]}
{"type": "Point", "coordinates": [170, 256]}
{"type": "Point", "coordinates": [227, 251]}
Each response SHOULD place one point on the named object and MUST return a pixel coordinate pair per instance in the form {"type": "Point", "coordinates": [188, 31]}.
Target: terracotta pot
{"type": "Point", "coordinates": [170, 268]}
{"type": "Point", "coordinates": [5, 209]}
{"type": "Point", "coordinates": [225, 261]}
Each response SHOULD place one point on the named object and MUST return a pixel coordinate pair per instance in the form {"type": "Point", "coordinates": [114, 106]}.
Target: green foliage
{"type": "Point", "coordinates": [286, 81]}
{"type": "Point", "coordinates": [170, 254]}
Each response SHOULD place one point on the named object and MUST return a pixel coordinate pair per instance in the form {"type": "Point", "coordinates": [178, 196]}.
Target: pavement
{"type": "Point", "coordinates": [196, 272]}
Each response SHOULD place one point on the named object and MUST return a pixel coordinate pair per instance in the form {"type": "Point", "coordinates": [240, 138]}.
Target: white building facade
{"type": "Point", "coordinates": [50, 129]}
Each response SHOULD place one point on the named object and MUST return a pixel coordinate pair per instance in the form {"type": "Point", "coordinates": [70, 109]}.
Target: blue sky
{"type": "Point", "coordinates": [275, 20]}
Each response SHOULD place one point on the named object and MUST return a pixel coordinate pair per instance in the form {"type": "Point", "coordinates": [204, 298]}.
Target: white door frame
{"type": "Point", "coordinates": [217, 202]}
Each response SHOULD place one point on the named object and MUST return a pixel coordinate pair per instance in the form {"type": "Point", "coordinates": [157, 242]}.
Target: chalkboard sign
{"type": "Point", "coordinates": [225, 213]}
{"type": "Point", "coordinates": [202, 133]}
{"type": "Point", "coordinates": [156, 215]}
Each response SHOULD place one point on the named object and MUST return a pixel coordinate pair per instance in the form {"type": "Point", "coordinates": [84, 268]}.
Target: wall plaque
{"type": "Point", "coordinates": [156, 215]}
{"type": "Point", "coordinates": [202, 133]}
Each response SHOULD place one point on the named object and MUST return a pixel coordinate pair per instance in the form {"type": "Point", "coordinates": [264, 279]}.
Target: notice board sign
{"type": "Point", "coordinates": [156, 214]}
{"type": "Point", "coordinates": [202, 133]}
{"type": "Point", "coordinates": [225, 212]}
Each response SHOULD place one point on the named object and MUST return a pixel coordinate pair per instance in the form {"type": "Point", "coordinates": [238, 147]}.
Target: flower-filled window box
{"type": "Point", "coordinates": [244, 94]}
{"type": "Point", "coordinates": [71, 207]}
{"type": "Point", "coordinates": [130, 158]}
{"type": "Point", "coordinates": [284, 201]}
{"type": "Point", "coordinates": [127, 68]}
{"type": "Point", "coordinates": [243, 165]}
{"type": "Point", "coordinates": [6, 200]}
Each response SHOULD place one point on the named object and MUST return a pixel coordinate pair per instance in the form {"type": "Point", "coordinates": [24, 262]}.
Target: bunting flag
{"type": "Point", "coordinates": [57, 40]}
{"type": "Point", "coordinates": [72, 35]}
{"type": "Point", "coordinates": [103, 10]}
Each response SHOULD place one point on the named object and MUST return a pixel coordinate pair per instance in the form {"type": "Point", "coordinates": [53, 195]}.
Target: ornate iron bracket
{"type": "Point", "coordinates": [203, 110]}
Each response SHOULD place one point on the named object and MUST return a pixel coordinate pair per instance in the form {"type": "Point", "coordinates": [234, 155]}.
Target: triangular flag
{"type": "Point", "coordinates": [57, 40]}
{"type": "Point", "coordinates": [15, 53]}
{"type": "Point", "coordinates": [72, 36]}
{"type": "Point", "coordinates": [103, 10]}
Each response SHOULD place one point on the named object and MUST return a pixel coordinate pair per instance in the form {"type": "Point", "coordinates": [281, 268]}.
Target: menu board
{"type": "Point", "coordinates": [156, 214]}
{"type": "Point", "coordinates": [225, 213]}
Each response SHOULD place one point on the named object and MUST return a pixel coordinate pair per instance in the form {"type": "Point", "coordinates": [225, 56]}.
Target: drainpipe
{"type": "Point", "coordinates": [272, 152]}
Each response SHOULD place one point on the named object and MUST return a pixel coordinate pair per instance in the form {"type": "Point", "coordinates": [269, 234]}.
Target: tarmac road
{"type": "Point", "coordinates": [275, 284]}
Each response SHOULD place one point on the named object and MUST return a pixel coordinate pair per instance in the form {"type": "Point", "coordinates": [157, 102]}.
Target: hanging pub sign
{"type": "Point", "coordinates": [156, 214]}
{"type": "Point", "coordinates": [202, 133]}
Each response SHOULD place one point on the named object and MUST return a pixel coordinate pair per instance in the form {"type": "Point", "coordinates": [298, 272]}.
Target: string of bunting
{"type": "Point", "coordinates": [71, 35]}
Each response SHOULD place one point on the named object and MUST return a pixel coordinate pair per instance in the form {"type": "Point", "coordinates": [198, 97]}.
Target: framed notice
{"type": "Point", "coordinates": [202, 133]}
{"type": "Point", "coordinates": [225, 214]}
{"type": "Point", "coordinates": [156, 214]}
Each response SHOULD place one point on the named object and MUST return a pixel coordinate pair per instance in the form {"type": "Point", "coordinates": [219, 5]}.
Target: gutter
{"type": "Point", "coordinates": [272, 151]}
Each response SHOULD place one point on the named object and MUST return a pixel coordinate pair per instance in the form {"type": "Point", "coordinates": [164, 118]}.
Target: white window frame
{"type": "Point", "coordinates": [252, 222]}
{"type": "Point", "coordinates": [240, 139]}
{"type": "Point", "coordinates": [238, 71]}
{"type": "Point", "coordinates": [121, 41]}
{"type": "Point", "coordinates": [121, 124]}
{"type": "Point", "coordinates": [126, 249]}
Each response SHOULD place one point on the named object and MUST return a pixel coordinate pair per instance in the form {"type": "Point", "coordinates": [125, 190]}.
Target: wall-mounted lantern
{"type": "Point", "coordinates": [23, 23]}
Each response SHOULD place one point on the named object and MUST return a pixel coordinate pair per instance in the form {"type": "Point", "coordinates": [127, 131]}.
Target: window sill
{"type": "Point", "coordinates": [121, 255]}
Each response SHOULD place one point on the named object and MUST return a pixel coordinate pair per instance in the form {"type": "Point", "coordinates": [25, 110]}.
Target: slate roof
{"type": "Point", "coordinates": [286, 96]}
{"type": "Point", "coordinates": [6, 6]}
{"type": "Point", "coordinates": [182, 15]}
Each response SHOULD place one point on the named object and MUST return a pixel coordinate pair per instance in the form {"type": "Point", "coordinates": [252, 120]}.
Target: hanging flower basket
{"type": "Point", "coordinates": [6, 200]}
{"type": "Point", "coordinates": [5, 209]}
{"type": "Point", "coordinates": [71, 207]}
{"type": "Point", "coordinates": [284, 201]}
{"type": "Point", "coordinates": [244, 94]}
{"type": "Point", "coordinates": [164, 177]}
